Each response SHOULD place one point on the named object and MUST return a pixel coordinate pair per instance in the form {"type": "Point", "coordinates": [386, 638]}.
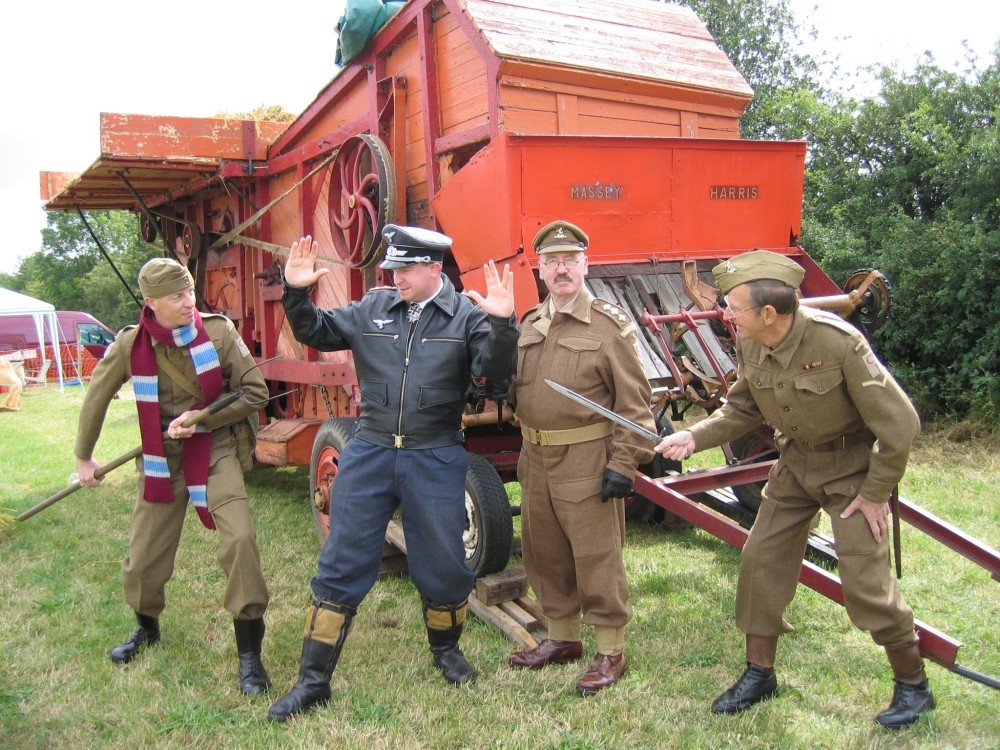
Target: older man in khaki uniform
{"type": "Point", "coordinates": [844, 430]}
{"type": "Point", "coordinates": [180, 361]}
{"type": "Point", "coordinates": [576, 467]}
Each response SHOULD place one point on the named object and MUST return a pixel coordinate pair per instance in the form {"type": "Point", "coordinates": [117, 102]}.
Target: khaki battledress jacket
{"type": "Point", "coordinates": [844, 428]}
{"type": "Point", "coordinates": [572, 542]}
{"type": "Point", "coordinates": [156, 527]}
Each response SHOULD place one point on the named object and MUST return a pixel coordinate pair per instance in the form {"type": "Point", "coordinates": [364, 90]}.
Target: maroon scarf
{"type": "Point", "coordinates": [145, 381]}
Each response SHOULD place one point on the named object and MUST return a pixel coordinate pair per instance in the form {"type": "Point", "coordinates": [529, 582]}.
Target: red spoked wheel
{"type": "Point", "coordinates": [362, 198]}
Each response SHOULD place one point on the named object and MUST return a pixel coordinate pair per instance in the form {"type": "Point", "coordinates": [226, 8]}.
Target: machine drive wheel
{"type": "Point", "coordinates": [489, 526]}
{"type": "Point", "coordinates": [362, 199]}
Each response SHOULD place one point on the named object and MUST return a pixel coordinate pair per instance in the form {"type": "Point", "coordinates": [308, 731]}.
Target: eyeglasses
{"type": "Point", "coordinates": [553, 263]}
{"type": "Point", "coordinates": [735, 311]}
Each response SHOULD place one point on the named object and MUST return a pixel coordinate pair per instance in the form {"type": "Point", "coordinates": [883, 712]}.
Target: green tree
{"type": "Point", "coordinates": [762, 38]}
{"type": "Point", "coordinates": [909, 182]}
{"type": "Point", "coordinates": [70, 271]}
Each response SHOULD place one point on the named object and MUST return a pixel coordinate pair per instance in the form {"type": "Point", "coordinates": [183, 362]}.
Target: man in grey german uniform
{"type": "Point", "coordinates": [173, 354]}
{"type": "Point", "coordinates": [416, 347]}
{"type": "Point", "coordinates": [576, 467]}
{"type": "Point", "coordinates": [844, 429]}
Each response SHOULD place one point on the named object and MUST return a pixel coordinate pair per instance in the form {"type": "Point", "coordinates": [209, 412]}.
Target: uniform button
{"type": "Point", "coordinates": [760, 383]}
{"type": "Point", "coordinates": [787, 408]}
{"type": "Point", "coordinates": [795, 429]}
{"type": "Point", "coordinates": [781, 385]}
{"type": "Point", "coordinates": [819, 389]}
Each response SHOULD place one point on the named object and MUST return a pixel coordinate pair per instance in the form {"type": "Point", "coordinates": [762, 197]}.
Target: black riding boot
{"type": "Point", "coordinates": [249, 637]}
{"type": "Point", "coordinates": [444, 629]}
{"type": "Point", "coordinates": [146, 634]}
{"type": "Point", "coordinates": [326, 630]}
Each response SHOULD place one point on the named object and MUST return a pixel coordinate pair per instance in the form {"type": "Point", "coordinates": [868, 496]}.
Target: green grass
{"type": "Point", "coordinates": [62, 610]}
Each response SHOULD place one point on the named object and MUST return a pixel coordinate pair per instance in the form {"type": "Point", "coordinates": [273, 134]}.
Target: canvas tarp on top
{"type": "Point", "coordinates": [46, 324]}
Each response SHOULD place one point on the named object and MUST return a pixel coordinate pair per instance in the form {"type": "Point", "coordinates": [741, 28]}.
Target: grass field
{"type": "Point", "coordinates": [61, 609]}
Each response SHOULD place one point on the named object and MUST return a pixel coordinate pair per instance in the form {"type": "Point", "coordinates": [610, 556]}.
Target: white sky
{"type": "Point", "coordinates": [66, 62]}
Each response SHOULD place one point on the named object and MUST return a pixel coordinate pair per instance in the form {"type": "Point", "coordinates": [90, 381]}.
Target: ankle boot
{"type": "Point", "coordinates": [326, 630]}
{"type": "Point", "coordinates": [444, 629]}
{"type": "Point", "coordinates": [911, 693]}
{"type": "Point", "coordinates": [249, 637]}
{"type": "Point", "coordinates": [758, 680]}
{"type": "Point", "coordinates": [146, 634]}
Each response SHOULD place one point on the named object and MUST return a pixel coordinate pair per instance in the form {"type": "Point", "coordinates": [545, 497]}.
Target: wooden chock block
{"type": "Point", "coordinates": [502, 587]}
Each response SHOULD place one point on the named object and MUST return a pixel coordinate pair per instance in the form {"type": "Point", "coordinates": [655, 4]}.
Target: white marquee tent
{"type": "Point", "coordinates": [46, 323]}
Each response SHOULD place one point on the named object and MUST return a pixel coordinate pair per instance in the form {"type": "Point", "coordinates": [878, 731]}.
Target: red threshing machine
{"type": "Point", "coordinates": [487, 119]}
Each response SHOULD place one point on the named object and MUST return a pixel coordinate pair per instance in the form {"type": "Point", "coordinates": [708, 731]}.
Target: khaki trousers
{"type": "Point", "coordinates": [801, 483]}
{"type": "Point", "coordinates": [156, 532]}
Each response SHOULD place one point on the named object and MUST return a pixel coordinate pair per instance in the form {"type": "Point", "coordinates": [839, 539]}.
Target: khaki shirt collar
{"type": "Point", "coordinates": [579, 308]}
{"type": "Point", "coordinates": [786, 348]}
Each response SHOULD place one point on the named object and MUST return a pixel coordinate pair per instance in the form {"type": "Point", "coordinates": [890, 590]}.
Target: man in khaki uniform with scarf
{"type": "Point", "coordinates": [173, 354]}
{"type": "Point", "coordinates": [576, 467]}
{"type": "Point", "coordinates": [844, 430]}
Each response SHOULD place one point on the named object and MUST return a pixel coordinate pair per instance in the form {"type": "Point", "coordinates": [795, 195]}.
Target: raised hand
{"type": "Point", "coordinates": [300, 268]}
{"type": "Point", "coordinates": [499, 299]}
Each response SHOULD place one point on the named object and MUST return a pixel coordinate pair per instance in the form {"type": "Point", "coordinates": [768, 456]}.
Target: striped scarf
{"type": "Point", "coordinates": [145, 381]}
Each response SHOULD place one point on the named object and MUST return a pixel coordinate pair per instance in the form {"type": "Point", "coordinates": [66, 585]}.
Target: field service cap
{"type": "Point", "coordinates": [757, 265]}
{"type": "Point", "coordinates": [408, 245]}
{"type": "Point", "coordinates": [163, 276]}
{"type": "Point", "coordinates": [560, 236]}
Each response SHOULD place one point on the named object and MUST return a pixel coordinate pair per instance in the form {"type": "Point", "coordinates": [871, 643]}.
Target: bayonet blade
{"type": "Point", "coordinates": [604, 411]}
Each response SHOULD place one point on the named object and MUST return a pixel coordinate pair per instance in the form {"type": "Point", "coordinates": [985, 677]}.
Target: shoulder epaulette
{"type": "Point", "coordinates": [381, 289]}
{"type": "Point", "coordinates": [529, 312]}
{"type": "Point", "coordinates": [616, 313]}
{"type": "Point", "coordinates": [834, 321]}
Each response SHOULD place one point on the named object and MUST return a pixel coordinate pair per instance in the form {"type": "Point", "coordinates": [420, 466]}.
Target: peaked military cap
{"type": "Point", "coordinates": [560, 236]}
{"type": "Point", "coordinates": [408, 245]}
{"type": "Point", "coordinates": [162, 276]}
{"type": "Point", "coordinates": [756, 265]}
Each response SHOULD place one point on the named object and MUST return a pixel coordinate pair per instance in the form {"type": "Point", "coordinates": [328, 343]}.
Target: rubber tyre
{"type": "Point", "coordinates": [489, 523]}
{"type": "Point", "coordinates": [331, 439]}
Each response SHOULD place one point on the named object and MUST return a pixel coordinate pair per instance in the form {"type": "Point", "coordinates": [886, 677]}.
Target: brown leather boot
{"type": "Point", "coordinates": [911, 694]}
{"type": "Point", "coordinates": [603, 672]}
{"type": "Point", "coordinates": [546, 652]}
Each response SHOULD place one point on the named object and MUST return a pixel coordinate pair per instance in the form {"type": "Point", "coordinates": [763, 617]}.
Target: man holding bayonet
{"type": "Point", "coordinates": [844, 430]}
{"type": "Point", "coordinates": [576, 467]}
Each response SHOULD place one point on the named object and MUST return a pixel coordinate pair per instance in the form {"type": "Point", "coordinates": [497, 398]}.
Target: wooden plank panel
{"type": "Point", "coordinates": [182, 137]}
{"type": "Point", "coordinates": [642, 40]}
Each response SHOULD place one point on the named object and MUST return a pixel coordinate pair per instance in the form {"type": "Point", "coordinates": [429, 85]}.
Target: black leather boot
{"type": "Point", "coordinates": [249, 637]}
{"type": "Point", "coordinates": [444, 629]}
{"type": "Point", "coordinates": [146, 634]}
{"type": "Point", "coordinates": [756, 684]}
{"type": "Point", "coordinates": [326, 630]}
{"type": "Point", "coordinates": [911, 693]}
